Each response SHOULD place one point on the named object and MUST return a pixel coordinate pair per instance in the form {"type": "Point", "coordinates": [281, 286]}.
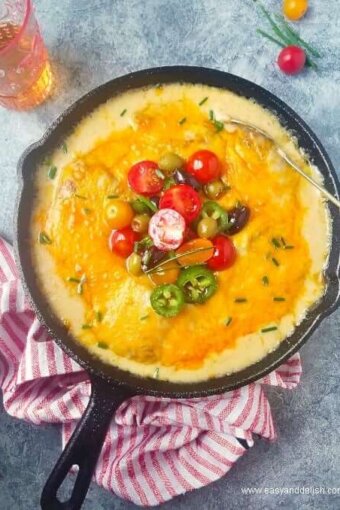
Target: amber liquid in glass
{"type": "Point", "coordinates": [31, 79]}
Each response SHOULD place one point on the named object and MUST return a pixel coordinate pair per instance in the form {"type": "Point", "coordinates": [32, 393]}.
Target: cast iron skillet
{"type": "Point", "coordinates": [110, 385]}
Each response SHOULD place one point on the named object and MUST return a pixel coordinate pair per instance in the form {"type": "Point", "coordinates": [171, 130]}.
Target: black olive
{"type": "Point", "coordinates": [238, 218]}
{"type": "Point", "coordinates": [182, 177]}
{"type": "Point", "coordinates": [151, 257]}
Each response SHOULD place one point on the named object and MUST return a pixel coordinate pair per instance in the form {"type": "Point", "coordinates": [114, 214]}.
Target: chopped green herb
{"type": "Point", "coordinates": [276, 242]}
{"type": "Point", "coordinates": [240, 300]}
{"type": "Point", "coordinates": [52, 172]}
{"type": "Point", "coordinates": [184, 119]}
{"type": "Point", "coordinates": [160, 173]}
{"type": "Point", "coordinates": [204, 100]}
{"type": "Point", "coordinates": [86, 210]}
{"type": "Point", "coordinates": [99, 316]}
{"type": "Point", "coordinates": [80, 286]}
{"type": "Point", "coordinates": [123, 112]}
{"type": "Point", "coordinates": [111, 197]}
{"type": "Point", "coordinates": [47, 161]}
{"type": "Point", "coordinates": [211, 115]}
{"type": "Point", "coordinates": [72, 279]}
{"type": "Point", "coordinates": [283, 242]}
{"type": "Point", "coordinates": [265, 280]}
{"type": "Point", "coordinates": [156, 373]}
{"type": "Point", "coordinates": [64, 147]}
{"type": "Point", "coordinates": [144, 317]}
{"type": "Point", "coordinates": [219, 126]}
{"type": "Point", "coordinates": [80, 196]}
{"type": "Point", "coordinates": [86, 326]}
{"type": "Point", "coordinates": [269, 328]}
{"type": "Point", "coordinates": [275, 262]}
{"type": "Point", "coordinates": [279, 298]}
{"type": "Point", "coordinates": [289, 247]}
{"type": "Point", "coordinates": [228, 321]}
{"type": "Point", "coordinates": [102, 345]}
{"type": "Point", "coordinates": [44, 238]}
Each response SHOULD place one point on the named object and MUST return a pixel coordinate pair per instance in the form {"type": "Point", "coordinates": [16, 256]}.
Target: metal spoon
{"type": "Point", "coordinates": [284, 156]}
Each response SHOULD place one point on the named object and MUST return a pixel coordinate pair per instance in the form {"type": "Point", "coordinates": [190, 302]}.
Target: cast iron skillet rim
{"type": "Point", "coordinates": [177, 390]}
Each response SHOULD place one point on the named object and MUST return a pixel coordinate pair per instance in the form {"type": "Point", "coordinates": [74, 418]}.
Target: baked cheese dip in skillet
{"type": "Point", "coordinates": [173, 244]}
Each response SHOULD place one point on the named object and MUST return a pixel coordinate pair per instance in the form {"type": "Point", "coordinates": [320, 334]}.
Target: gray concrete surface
{"type": "Point", "coordinates": [91, 42]}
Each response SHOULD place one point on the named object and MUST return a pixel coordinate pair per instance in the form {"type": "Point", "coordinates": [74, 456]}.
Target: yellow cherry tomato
{"type": "Point", "coordinates": [165, 274]}
{"type": "Point", "coordinates": [198, 257]}
{"type": "Point", "coordinates": [294, 9]}
{"type": "Point", "coordinates": [119, 213]}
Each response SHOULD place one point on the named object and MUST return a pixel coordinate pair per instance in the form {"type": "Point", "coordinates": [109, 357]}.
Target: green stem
{"type": "Point", "coordinates": [275, 27]}
{"type": "Point", "coordinates": [289, 30]}
{"type": "Point", "coordinates": [272, 39]}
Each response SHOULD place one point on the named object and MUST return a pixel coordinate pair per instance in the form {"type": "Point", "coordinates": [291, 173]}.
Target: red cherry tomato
{"type": "Point", "coordinates": [122, 241]}
{"type": "Point", "coordinates": [224, 253]}
{"type": "Point", "coordinates": [183, 199]}
{"type": "Point", "coordinates": [291, 59]}
{"type": "Point", "coordinates": [204, 166]}
{"type": "Point", "coordinates": [143, 178]}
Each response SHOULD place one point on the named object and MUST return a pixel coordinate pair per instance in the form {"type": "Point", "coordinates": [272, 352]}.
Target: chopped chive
{"type": "Point", "coordinates": [80, 196]}
{"type": "Point", "coordinates": [204, 100]}
{"type": "Point", "coordinates": [219, 126]}
{"type": "Point", "coordinates": [211, 115]}
{"type": "Point", "coordinates": [73, 279]}
{"type": "Point", "coordinates": [86, 326]}
{"type": "Point", "coordinates": [240, 300]}
{"type": "Point", "coordinates": [144, 317]}
{"type": "Point", "coordinates": [276, 242]}
{"type": "Point", "coordinates": [228, 321]}
{"type": "Point", "coordinates": [279, 298]}
{"type": "Point", "coordinates": [52, 172]}
{"type": "Point", "coordinates": [271, 38]}
{"type": "Point", "coordinates": [265, 280]}
{"type": "Point", "coordinates": [159, 173]}
{"type": "Point", "coordinates": [44, 238]}
{"type": "Point", "coordinates": [283, 242]}
{"type": "Point", "coordinates": [275, 262]}
{"type": "Point", "coordinates": [99, 316]}
{"type": "Point", "coordinates": [123, 112]}
{"type": "Point", "coordinates": [270, 328]}
{"type": "Point", "coordinates": [102, 345]}
{"type": "Point", "coordinates": [64, 147]}
{"type": "Point", "coordinates": [86, 210]}
{"type": "Point", "coordinates": [111, 197]}
{"type": "Point", "coordinates": [47, 161]}
{"type": "Point", "coordinates": [81, 284]}
{"type": "Point", "coordinates": [180, 122]}
{"type": "Point", "coordinates": [156, 374]}
{"type": "Point", "coordinates": [289, 247]}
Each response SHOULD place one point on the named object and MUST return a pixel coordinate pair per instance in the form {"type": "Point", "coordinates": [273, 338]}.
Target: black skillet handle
{"type": "Point", "coordinates": [84, 447]}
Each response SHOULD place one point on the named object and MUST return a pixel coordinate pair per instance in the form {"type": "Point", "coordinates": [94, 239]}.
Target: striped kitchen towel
{"type": "Point", "coordinates": [156, 448]}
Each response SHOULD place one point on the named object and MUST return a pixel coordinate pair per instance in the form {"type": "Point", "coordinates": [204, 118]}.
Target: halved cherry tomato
{"type": "Point", "coordinates": [224, 254]}
{"type": "Point", "coordinates": [166, 229]}
{"type": "Point", "coordinates": [204, 165]}
{"type": "Point", "coordinates": [122, 241]}
{"type": "Point", "coordinates": [291, 59]}
{"type": "Point", "coordinates": [143, 178]}
{"type": "Point", "coordinates": [195, 258]}
{"type": "Point", "coordinates": [183, 199]}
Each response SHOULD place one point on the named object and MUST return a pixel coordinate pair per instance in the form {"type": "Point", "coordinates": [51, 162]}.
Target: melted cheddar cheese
{"type": "Point", "coordinates": [113, 307]}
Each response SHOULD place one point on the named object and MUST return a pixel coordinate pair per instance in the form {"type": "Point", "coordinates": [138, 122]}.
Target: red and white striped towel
{"type": "Point", "coordinates": [155, 448]}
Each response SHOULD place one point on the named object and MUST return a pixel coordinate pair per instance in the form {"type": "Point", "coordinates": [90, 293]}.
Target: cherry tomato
{"type": "Point", "coordinates": [122, 241]}
{"type": "Point", "coordinates": [204, 166]}
{"type": "Point", "coordinates": [294, 9]}
{"type": "Point", "coordinates": [119, 213]}
{"type": "Point", "coordinates": [166, 229]}
{"type": "Point", "coordinates": [183, 199]}
{"type": "Point", "coordinates": [195, 258]}
{"type": "Point", "coordinates": [143, 178]}
{"type": "Point", "coordinates": [291, 59]}
{"type": "Point", "coordinates": [165, 274]}
{"type": "Point", "coordinates": [224, 254]}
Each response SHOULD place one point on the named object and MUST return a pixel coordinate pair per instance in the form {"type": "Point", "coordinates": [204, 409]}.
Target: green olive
{"type": "Point", "coordinates": [170, 162]}
{"type": "Point", "coordinates": [140, 223]}
{"type": "Point", "coordinates": [207, 228]}
{"type": "Point", "coordinates": [134, 264]}
{"type": "Point", "coordinates": [214, 189]}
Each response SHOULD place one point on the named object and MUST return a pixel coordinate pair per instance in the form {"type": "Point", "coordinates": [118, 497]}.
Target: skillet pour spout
{"type": "Point", "coordinates": [112, 386]}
